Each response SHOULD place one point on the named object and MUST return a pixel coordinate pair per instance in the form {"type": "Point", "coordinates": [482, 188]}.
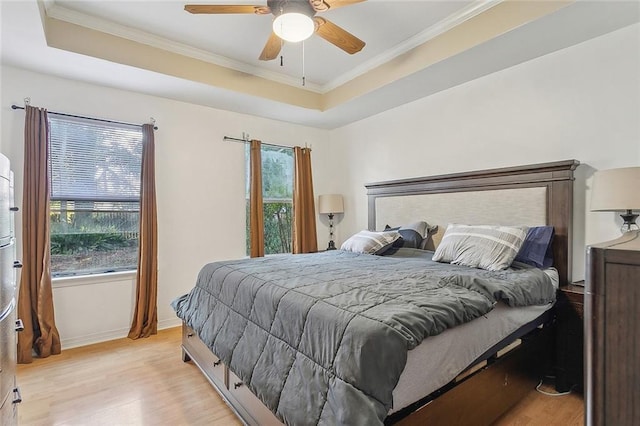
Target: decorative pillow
{"type": "Point", "coordinates": [408, 237]}
{"type": "Point", "coordinates": [537, 247]}
{"type": "Point", "coordinates": [412, 234]}
{"type": "Point", "coordinates": [481, 246]}
{"type": "Point", "coordinates": [427, 241]}
{"type": "Point", "coordinates": [370, 242]}
{"type": "Point", "coordinates": [397, 243]}
{"type": "Point", "coordinates": [420, 227]}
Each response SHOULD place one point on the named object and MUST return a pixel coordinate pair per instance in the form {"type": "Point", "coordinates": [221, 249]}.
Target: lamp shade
{"type": "Point", "coordinates": [616, 189]}
{"type": "Point", "coordinates": [330, 203]}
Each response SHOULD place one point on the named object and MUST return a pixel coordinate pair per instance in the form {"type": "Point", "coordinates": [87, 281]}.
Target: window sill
{"type": "Point", "coordinates": [80, 280]}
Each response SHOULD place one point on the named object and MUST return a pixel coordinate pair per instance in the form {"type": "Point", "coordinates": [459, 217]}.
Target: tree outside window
{"type": "Point", "coordinates": [277, 194]}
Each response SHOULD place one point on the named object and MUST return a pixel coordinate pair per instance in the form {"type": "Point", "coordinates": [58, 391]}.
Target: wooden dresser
{"type": "Point", "coordinates": [612, 332]}
{"type": "Point", "coordinates": [9, 393]}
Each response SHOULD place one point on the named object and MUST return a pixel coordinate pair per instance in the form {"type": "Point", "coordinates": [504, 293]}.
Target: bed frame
{"type": "Point", "coordinates": [481, 397]}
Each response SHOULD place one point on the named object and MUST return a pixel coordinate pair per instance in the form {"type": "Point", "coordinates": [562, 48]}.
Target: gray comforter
{"type": "Point", "coordinates": [323, 338]}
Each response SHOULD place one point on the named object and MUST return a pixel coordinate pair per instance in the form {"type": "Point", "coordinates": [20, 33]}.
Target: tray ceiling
{"type": "Point", "coordinates": [414, 48]}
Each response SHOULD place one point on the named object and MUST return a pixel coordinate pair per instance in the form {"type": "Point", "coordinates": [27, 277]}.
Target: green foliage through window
{"type": "Point", "coordinates": [277, 193]}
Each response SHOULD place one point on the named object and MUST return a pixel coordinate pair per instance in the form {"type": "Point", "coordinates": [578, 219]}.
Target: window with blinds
{"type": "Point", "coordinates": [94, 171]}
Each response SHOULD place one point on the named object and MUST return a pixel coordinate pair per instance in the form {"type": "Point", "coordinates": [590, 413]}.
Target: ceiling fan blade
{"type": "Point", "coordinates": [229, 8]}
{"type": "Point", "coordinates": [337, 36]}
{"type": "Point", "coordinates": [324, 5]}
{"type": "Point", "coordinates": [272, 48]}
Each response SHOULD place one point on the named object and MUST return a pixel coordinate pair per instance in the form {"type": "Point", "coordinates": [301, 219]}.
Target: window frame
{"type": "Point", "coordinates": [269, 200]}
{"type": "Point", "coordinates": [121, 213]}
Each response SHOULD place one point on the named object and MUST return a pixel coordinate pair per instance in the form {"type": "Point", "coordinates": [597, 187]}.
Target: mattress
{"type": "Point", "coordinates": [439, 359]}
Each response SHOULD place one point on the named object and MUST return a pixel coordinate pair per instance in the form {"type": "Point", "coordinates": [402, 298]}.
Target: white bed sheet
{"type": "Point", "coordinates": [553, 274]}
{"type": "Point", "coordinates": [439, 359]}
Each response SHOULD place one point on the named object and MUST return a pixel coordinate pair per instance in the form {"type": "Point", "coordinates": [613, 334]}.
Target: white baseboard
{"type": "Point", "coordinates": [105, 336]}
{"type": "Point", "coordinates": [169, 323]}
{"type": "Point", "coordinates": [90, 339]}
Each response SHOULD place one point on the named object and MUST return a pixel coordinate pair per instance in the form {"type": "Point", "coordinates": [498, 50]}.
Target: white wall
{"type": "Point", "coordinates": [582, 102]}
{"type": "Point", "coordinates": [199, 182]}
{"type": "Point", "coordinates": [578, 103]}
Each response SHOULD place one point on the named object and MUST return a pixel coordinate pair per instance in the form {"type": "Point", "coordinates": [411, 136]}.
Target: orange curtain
{"type": "Point", "coordinates": [304, 211]}
{"type": "Point", "coordinates": [35, 297]}
{"type": "Point", "coordinates": [256, 210]}
{"type": "Point", "coordinates": [145, 317]}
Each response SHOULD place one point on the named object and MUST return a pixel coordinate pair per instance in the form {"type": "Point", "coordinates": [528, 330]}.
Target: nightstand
{"type": "Point", "coordinates": [570, 337]}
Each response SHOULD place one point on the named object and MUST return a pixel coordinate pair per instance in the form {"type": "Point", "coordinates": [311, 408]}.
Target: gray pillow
{"type": "Point", "coordinates": [481, 246]}
{"type": "Point", "coordinates": [413, 235]}
{"type": "Point", "coordinates": [370, 242]}
{"type": "Point", "coordinates": [427, 242]}
{"type": "Point", "coordinates": [408, 237]}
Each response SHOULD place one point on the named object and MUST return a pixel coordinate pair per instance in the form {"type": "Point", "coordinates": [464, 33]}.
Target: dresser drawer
{"type": "Point", "coordinates": [7, 275]}
{"type": "Point", "coordinates": [9, 412]}
{"type": "Point", "coordinates": [208, 361]}
{"type": "Point", "coordinates": [257, 410]}
{"type": "Point", "coordinates": [12, 206]}
{"type": "Point", "coordinates": [5, 212]}
{"type": "Point", "coordinates": [8, 353]}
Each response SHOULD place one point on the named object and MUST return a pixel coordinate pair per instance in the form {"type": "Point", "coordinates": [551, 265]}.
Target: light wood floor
{"type": "Point", "coordinates": [144, 382]}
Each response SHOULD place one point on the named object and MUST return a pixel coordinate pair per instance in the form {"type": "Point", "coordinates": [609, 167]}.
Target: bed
{"type": "Point", "coordinates": [358, 380]}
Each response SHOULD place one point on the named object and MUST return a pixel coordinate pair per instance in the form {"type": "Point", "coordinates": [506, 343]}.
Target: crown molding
{"type": "Point", "coordinates": [61, 13]}
{"type": "Point", "coordinates": [433, 31]}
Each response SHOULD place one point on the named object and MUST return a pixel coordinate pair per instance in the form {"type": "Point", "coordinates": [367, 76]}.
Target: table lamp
{"type": "Point", "coordinates": [330, 204]}
{"type": "Point", "coordinates": [618, 190]}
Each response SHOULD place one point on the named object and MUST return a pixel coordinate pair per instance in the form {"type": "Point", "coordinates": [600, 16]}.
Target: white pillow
{"type": "Point", "coordinates": [370, 242]}
{"type": "Point", "coordinates": [481, 246]}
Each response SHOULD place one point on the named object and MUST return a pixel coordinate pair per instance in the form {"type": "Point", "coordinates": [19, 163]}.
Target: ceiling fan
{"type": "Point", "coordinates": [295, 20]}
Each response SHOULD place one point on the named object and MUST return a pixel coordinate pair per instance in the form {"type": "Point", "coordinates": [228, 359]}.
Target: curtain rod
{"type": "Point", "coordinates": [228, 138]}
{"type": "Point", "coordinates": [153, 121]}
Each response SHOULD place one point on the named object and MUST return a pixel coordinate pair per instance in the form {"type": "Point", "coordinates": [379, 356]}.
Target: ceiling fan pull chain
{"type": "Point", "coordinates": [303, 72]}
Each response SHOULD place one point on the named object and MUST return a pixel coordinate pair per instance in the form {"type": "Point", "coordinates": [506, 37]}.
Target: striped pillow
{"type": "Point", "coordinates": [370, 242]}
{"type": "Point", "coordinates": [481, 246]}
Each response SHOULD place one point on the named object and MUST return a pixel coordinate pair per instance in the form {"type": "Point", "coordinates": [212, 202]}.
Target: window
{"type": "Point", "coordinates": [94, 171]}
{"type": "Point", "coordinates": [277, 194]}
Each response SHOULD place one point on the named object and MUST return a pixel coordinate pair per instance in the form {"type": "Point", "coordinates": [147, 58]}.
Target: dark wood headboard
{"type": "Point", "coordinates": [557, 177]}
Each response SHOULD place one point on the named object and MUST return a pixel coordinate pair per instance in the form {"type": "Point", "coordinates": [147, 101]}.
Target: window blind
{"type": "Point", "coordinates": [94, 161]}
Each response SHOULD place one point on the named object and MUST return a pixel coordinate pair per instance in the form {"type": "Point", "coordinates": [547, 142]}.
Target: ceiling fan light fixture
{"type": "Point", "coordinates": [293, 26]}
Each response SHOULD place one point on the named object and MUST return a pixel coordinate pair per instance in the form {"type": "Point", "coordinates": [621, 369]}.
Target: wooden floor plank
{"type": "Point", "coordinates": [144, 382]}
{"type": "Point", "coordinates": [122, 382]}
{"type": "Point", "coordinates": [538, 409]}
